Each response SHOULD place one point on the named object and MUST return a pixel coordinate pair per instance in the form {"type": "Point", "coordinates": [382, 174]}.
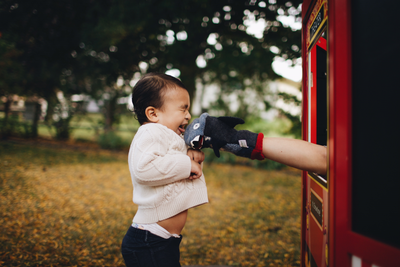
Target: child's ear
{"type": "Point", "coordinates": [151, 114]}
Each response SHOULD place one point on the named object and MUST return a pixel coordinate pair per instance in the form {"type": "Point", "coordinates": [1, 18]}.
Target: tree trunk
{"type": "Point", "coordinates": [188, 78]}
{"type": "Point", "coordinates": [5, 130]}
{"type": "Point", "coordinates": [48, 119]}
{"type": "Point", "coordinates": [35, 122]}
{"type": "Point", "coordinates": [51, 103]}
{"type": "Point", "coordinates": [110, 115]}
{"type": "Point", "coordinates": [7, 107]}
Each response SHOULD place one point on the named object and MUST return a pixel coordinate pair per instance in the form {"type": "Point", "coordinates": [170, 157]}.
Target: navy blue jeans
{"type": "Point", "coordinates": [144, 249]}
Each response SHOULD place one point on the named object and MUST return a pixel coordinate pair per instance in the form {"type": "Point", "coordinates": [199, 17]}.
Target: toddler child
{"type": "Point", "coordinates": [167, 177]}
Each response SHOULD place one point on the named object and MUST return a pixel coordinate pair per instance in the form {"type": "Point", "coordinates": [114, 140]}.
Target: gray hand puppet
{"type": "Point", "coordinates": [220, 134]}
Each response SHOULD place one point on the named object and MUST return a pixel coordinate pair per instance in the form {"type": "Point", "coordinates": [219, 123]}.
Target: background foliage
{"type": "Point", "coordinates": [98, 48]}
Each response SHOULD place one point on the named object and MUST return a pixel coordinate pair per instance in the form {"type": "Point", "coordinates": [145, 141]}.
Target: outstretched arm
{"type": "Point", "coordinates": [296, 153]}
{"type": "Point", "coordinates": [208, 131]}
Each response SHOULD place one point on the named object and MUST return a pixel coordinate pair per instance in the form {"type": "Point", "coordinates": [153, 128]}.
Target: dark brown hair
{"type": "Point", "coordinates": [150, 90]}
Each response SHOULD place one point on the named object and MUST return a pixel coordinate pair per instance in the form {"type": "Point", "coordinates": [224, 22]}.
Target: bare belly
{"type": "Point", "coordinates": [175, 224]}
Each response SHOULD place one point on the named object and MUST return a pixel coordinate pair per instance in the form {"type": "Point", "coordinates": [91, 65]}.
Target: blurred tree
{"type": "Point", "coordinates": [202, 39]}
{"type": "Point", "coordinates": [85, 46]}
{"type": "Point", "coordinates": [213, 31]}
{"type": "Point", "coordinates": [44, 32]}
{"type": "Point", "coordinates": [110, 52]}
{"type": "Point", "coordinates": [9, 76]}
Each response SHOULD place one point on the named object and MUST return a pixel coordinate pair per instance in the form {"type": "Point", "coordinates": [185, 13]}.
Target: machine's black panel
{"type": "Point", "coordinates": [321, 97]}
{"type": "Point", "coordinates": [376, 120]}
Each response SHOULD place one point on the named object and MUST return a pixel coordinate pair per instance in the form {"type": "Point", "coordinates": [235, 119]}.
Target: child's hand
{"type": "Point", "coordinates": [196, 155]}
{"type": "Point", "coordinates": [195, 170]}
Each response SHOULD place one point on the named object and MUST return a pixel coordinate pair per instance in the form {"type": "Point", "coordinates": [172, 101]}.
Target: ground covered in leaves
{"type": "Point", "coordinates": [72, 206]}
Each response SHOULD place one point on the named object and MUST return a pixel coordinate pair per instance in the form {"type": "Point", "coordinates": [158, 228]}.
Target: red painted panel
{"type": "Point", "coordinates": [339, 129]}
{"type": "Point", "coordinates": [372, 251]}
{"type": "Point", "coordinates": [344, 242]}
{"type": "Point", "coordinates": [315, 196]}
{"type": "Point", "coordinates": [314, 227]}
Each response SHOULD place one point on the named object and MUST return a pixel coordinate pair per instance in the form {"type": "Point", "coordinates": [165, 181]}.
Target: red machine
{"type": "Point", "coordinates": [351, 96]}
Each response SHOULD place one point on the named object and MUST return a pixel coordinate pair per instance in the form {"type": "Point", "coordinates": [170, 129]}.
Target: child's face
{"type": "Point", "coordinates": [175, 111]}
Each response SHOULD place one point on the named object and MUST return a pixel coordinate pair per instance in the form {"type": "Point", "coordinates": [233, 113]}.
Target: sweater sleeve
{"type": "Point", "coordinates": [158, 159]}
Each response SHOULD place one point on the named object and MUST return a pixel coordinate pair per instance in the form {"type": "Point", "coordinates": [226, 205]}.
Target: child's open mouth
{"type": "Point", "coordinates": [182, 128]}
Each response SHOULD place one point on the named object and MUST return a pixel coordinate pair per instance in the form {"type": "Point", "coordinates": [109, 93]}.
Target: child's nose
{"type": "Point", "coordinates": [188, 116]}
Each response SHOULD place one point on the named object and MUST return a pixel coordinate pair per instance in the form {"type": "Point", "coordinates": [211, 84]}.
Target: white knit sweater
{"type": "Point", "coordinates": [160, 169]}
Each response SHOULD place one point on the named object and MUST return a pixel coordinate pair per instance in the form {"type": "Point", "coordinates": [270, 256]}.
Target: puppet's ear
{"type": "Point", "coordinates": [231, 121]}
{"type": "Point", "coordinates": [151, 114]}
{"type": "Point", "coordinates": [216, 152]}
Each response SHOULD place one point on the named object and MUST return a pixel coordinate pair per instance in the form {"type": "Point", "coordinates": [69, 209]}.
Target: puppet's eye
{"type": "Point", "coordinates": [196, 126]}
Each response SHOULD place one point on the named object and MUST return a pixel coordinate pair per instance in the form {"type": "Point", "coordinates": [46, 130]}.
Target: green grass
{"type": "Point", "coordinates": [71, 206]}
{"type": "Point", "coordinates": [88, 129]}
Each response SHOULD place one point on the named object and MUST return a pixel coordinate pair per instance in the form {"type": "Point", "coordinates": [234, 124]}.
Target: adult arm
{"type": "Point", "coordinates": [296, 153]}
